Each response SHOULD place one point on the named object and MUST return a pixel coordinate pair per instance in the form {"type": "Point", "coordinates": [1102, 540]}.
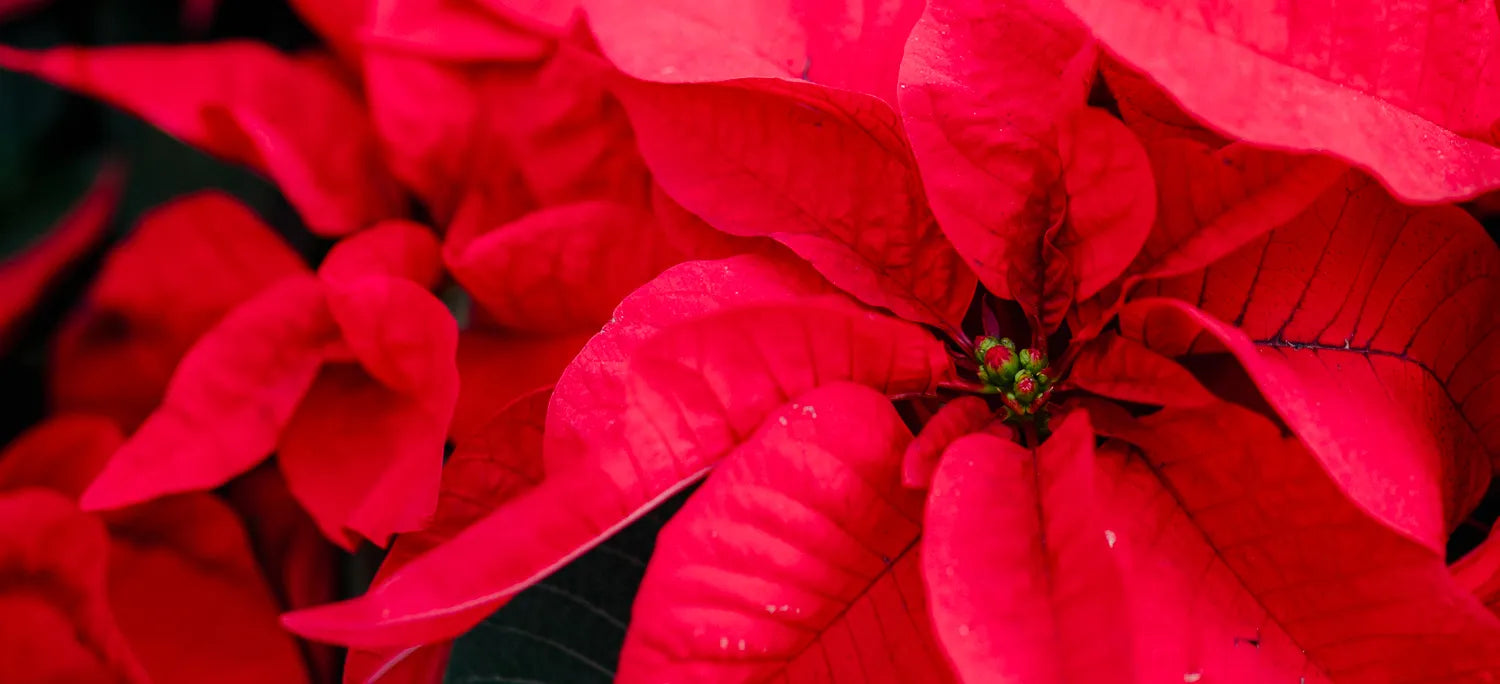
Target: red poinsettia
{"type": "Point", "coordinates": [1280, 515]}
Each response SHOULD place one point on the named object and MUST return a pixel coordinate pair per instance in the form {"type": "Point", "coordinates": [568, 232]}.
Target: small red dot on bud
{"type": "Point", "coordinates": [997, 356]}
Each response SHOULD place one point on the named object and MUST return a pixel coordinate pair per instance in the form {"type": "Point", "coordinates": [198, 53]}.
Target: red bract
{"type": "Point", "coordinates": [167, 591]}
{"type": "Point", "coordinates": [1409, 91]}
{"type": "Point", "coordinates": [294, 370]}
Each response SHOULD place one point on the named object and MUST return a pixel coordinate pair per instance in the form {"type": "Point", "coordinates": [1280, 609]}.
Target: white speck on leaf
{"type": "Point", "coordinates": [724, 643]}
{"type": "Point", "coordinates": [963, 630]}
{"type": "Point", "coordinates": [1192, 677]}
{"type": "Point", "coordinates": [782, 420]}
{"type": "Point", "coordinates": [1109, 536]}
{"type": "Point", "coordinates": [742, 644]}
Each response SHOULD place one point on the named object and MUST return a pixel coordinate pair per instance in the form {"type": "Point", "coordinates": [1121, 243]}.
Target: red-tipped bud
{"type": "Point", "coordinates": [998, 356]}
{"type": "Point", "coordinates": [1026, 386]}
{"type": "Point", "coordinates": [1033, 360]}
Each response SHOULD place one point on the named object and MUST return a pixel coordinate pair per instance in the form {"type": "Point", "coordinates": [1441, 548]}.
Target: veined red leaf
{"type": "Point", "coordinates": [1407, 91]}
{"type": "Point", "coordinates": [1357, 322]}
{"type": "Point", "coordinates": [590, 395]}
{"type": "Point", "coordinates": [1042, 600]}
{"type": "Point", "coordinates": [844, 45]}
{"type": "Point", "coordinates": [230, 99]}
{"type": "Point", "coordinates": [1358, 601]}
{"type": "Point", "coordinates": [798, 558]}
{"type": "Point", "coordinates": [25, 277]}
{"type": "Point", "coordinates": [698, 388]}
{"type": "Point", "coordinates": [828, 175]}
{"type": "Point", "coordinates": [962, 416]}
{"type": "Point", "coordinates": [1213, 202]}
{"type": "Point", "coordinates": [628, 466]}
{"type": "Point", "coordinates": [114, 356]}
{"type": "Point", "coordinates": [396, 249]}
{"type": "Point", "coordinates": [59, 625]}
{"type": "Point", "coordinates": [189, 597]}
{"type": "Point", "coordinates": [564, 268]}
{"type": "Point", "coordinates": [1048, 200]}
{"type": "Point", "coordinates": [1121, 368]}
{"type": "Point", "coordinates": [228, 399]}
{"type": "Point", "coordinates": [489, 466]}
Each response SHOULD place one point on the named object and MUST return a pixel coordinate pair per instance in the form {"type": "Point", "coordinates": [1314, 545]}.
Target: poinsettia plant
{"type": "Point", "coordinates": [995, 340]}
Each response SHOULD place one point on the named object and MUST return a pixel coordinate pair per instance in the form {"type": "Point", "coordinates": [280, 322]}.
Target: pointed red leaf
{"type": "Point", "coordinates": [228, 399]}
{"type": "Point", "coordinates": [1391, 88]}
{"type": "Point", "coordinates": [1055, 188]}
{"type": "Point", "coordinates": [649, 434]}
{"type": "Point", "coordinates": [114, 356]}
{"type": "Point", "coordinates": [827, 174]}
{"type": "Point", "coordinates": [798, 556]}
{"type": "Point", "coordinates": [25, 277]}
{"type": "Point", "coordinates": [1358, 601]}
{"type": "Point", "coordinates": [489, 466]}
{"type": "Point", "coordinates": [962, 416]}
{"type": "Point", "coordinates": [1358, 323]}
{"type": "Point", "coordinates": [395, 249]}
{"type": "Point", "coordinates": [58, 624]}
{"type": "Point", "coordinates": [844, 45]}
{"type": "Point", "coordinates": [1042, 600]}
{"type": "Point", "coordinates": [1121, 368]}
{"type": "Point", "coordinates": [190, 598]}
{"type": "Point", "coordinates": [563, 268]}
{"type": "Point", "coordinates": [364, 449]}
{"type": "Point", "coordinates": [230, 99]}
